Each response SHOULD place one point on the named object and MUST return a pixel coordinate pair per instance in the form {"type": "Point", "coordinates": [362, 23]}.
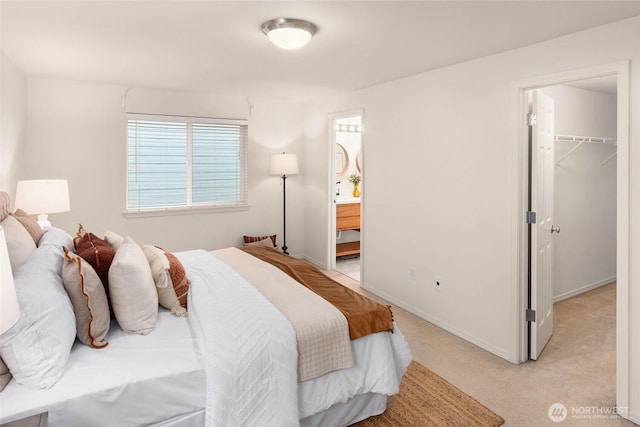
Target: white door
{"type": "Point", "coordinates": [542, 165]}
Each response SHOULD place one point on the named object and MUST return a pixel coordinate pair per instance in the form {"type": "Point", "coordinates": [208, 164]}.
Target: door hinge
{"type": "Point", "coordinates": [531, 217]}
{"type": "Point", "coordinates": [530, 315]}
{"type": "Point", "coordinates": [531, 119]}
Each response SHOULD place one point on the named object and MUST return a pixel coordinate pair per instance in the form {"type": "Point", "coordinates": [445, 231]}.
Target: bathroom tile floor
{"type": "Point", "coordinates": [349, 266]}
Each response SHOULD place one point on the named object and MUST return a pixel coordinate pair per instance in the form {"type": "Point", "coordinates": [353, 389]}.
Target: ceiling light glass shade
{"type": "Point", "coordinates": [287, 33]}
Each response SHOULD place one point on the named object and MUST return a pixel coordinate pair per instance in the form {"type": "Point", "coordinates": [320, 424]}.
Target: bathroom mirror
{"type": "Point", "coordinates": [341, 161]}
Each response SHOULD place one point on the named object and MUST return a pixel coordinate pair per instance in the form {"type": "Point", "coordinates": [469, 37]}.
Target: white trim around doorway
{"type": "Point", "coordinates": [518, 294]}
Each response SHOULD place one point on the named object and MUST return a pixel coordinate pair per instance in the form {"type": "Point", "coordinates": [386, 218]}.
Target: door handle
{"type": "Point", "coordinates": [555, 228]}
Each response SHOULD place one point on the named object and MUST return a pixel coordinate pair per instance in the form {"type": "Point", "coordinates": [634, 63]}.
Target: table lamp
{"type": "Point", "coordinates": [43, 197]}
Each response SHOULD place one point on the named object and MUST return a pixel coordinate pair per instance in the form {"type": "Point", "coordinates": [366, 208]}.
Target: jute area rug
{"type": "Point", "coordinates": [427, 400]}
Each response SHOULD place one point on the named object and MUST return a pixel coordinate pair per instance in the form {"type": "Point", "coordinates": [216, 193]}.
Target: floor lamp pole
{"type": "Point", "coordinates": [284, 214]}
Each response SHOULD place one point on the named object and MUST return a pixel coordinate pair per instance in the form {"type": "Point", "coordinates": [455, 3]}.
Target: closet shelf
{"type": "Point", "coordinates": [582, 140]}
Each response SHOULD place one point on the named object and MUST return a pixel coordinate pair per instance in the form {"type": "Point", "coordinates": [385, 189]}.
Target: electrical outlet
{"type": "Point", "coordinates": [412, 273]}
{"type": "Point", "coordinates": [437, 283]}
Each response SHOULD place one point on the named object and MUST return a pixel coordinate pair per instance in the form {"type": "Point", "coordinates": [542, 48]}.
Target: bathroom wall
{"type": "Point", "coordinates": [351, 142]}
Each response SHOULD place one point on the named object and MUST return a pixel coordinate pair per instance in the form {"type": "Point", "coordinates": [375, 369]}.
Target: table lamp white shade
{"type": "Point", "coordinates": [43, 197]}
{"type": "Point", "coordinates": [9, 309]}
{"type": "Point", "coordinates": [283, 164]}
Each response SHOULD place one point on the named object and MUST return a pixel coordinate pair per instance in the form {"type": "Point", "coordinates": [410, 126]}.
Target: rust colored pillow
{"type": "Point", "coordinates": [98, 253]}
{"type": "Point", "coordinates": [178, 278]}
{"type": "Point", "coordinates": [252, 239]}
{"type": "Point", "coordinates": [30, 224]}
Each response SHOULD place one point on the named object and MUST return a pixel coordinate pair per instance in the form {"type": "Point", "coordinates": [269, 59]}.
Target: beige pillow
{"type": "Point", "coordinates": [19, 242]}
{"type": "Point", "coordinates": [4, 205]}
{"type": "Point", "coordinates": [266, 242]}
{"type": "Point", "coordinates": [89, 300]}
{"type": "Point", "coordinates": [251, 239]}
{"type": "Point", "coordinates": [30, 224]}
{"type": "Point", "coordinates": [133, 292]}
{"type": "Point", "coordinates": [159, 264]}
{"type": "Point", "coordinates": [5, 375]}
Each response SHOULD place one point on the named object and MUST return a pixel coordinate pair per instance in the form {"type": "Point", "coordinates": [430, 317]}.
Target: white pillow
{"type": "Point", "coordinates": [133, 293]}
{"type": "Point", "coordinates": [20, 244]}
{"type": "Point", "coordinates": [114, 239]}
{"type": "Point", "coordinates": [36, 349]}
{"type": "Point", "coordinates": [159, 264]}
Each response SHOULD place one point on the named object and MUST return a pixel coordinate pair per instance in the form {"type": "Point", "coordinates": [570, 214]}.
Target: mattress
{"type": "Point", "coordinates": [142, 379]}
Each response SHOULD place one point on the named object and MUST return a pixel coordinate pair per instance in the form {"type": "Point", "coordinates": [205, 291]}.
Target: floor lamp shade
{"type": "Point", "coordinates": [43, 197]}
{"type": "Point", "coordinates": [283, 165]}
{"type": "Point", "coordinates": [9, 309]}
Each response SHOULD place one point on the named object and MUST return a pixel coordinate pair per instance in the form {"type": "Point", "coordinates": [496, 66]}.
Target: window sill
{"type": "Point", "coordinates": [192, 210]}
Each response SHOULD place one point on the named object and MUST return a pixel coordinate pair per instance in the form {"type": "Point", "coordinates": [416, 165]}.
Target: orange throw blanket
{"type": "Point", "coordinates": [364, 315]}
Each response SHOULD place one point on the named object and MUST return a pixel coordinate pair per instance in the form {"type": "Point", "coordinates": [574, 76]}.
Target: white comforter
{"type": "Point", "coordinates": [248, 348]}
{"type": "Point", "coordinates": [249, 351]}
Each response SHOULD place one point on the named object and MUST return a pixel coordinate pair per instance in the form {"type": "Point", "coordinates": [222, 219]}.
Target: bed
{"type": "Point", "coordinates": [244, 355]}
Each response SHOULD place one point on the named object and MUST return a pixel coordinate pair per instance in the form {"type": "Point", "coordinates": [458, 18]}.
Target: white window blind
{"type": "Point", "coordinates": [178, 162]}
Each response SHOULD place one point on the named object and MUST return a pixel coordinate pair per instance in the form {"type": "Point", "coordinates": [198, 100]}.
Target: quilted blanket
{"type": "Point", "coordinates": [247, 346]}
{"type": "Point", "coordinates": [322, 331]}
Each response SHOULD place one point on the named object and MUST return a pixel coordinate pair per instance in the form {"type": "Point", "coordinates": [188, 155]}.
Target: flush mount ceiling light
{"type": "Point", "coordinates": [287, 33]}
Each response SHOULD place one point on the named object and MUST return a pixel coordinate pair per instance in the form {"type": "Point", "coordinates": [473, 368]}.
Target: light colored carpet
{"type": "Point", "coordinates": [426, 399]}
{"type": "Point", "coordinates": [577, 368]}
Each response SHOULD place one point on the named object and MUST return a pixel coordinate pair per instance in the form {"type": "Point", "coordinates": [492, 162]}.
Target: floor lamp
{"type": "Point", "coordinates": [283, 165]}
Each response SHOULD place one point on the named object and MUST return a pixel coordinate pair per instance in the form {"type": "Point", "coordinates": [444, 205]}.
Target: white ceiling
{"type": "Point", "coordinates": [217, 46]}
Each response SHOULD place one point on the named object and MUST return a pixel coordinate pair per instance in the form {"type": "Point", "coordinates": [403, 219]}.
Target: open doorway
{"type": "Point", "coordinates": [573, 239]}
{"type": "Point", "coordinates": [606, 150]}
{"type": "Point", "coordinates": [347, 201]}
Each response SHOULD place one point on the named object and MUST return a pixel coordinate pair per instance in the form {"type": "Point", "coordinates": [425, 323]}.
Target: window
{"type": "Point", "coordinates": [176, 163]}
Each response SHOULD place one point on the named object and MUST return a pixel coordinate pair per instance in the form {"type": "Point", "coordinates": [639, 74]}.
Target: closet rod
{"type": "Point", "coordinates": [581, 140]}
{"type": "Point", "coordinates": [591, 139]}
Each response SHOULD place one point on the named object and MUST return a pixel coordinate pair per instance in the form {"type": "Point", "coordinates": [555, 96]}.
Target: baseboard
{"type": "Point", "coordinates": [442, 325]}
{"type": "Point", "coordinates": [583, 289]}
{"type": "Point", "coordinates": [315, 262]}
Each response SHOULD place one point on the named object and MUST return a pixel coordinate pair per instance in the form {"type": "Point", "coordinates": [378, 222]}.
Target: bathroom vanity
{"type": "Point", "coordinates": [348, 218]}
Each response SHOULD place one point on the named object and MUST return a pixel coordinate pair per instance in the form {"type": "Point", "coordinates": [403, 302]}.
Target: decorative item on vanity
{"type": "Point", "coordinates": [288, 33]}
{"type": "Point", "coordinates": [354, 178]}
{"type": "Point", "coordinates": [43, 197]}
{"type": "Point", "coordinates": [283, 165]}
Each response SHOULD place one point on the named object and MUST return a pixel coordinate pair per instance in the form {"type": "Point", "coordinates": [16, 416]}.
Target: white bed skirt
{"type": "Point", "coordinates": [194, 419]}
{"type": "Point", "coordinates": [350, 412]}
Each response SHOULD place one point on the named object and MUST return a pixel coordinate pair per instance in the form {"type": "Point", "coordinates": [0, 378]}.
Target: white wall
{"type": "Point", "coordinates": [77, 131]}
{"type": "Point", "coordinates": [13, 123]}
{"type": "Point", "coordinates": [449, 139]}
{"type": "Point", "coordinates": [585, 192]}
